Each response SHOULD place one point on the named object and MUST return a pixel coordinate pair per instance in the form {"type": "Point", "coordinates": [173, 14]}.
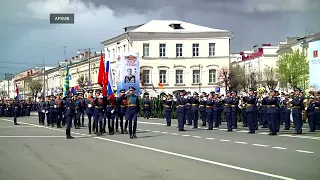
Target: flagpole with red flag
{"type": "Point", "coordinates": [102, 77]}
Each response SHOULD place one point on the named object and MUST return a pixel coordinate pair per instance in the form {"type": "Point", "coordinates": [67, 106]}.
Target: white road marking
{"type": "Point", "coordinates": [302, 151]}
{"type": "Point", "coordinates": [243, 131]}
{"type": "Point", "coordinates": [264, 133]}
{"type": "Point", "coordinates": [261, 145]}
{"type": "Point", "coordinates": [147, 130]}
{"type": "Point", "coordinates": [186, 135]}
{"type": "Point", "coordinates": [164, 132]}
{"type": "Point", "coordinates": [156, 131]}
{"type": "Point", "coordinates": [174, 134]}
{"type": "Point", "coordinates": [196, 136]}
{"type": "Point", "coordinates": [240, 142]}
{"type": "Point", "coordinates": [222, 129]}
{"type": "Point", "coordinates": [279, 148]}
{"type": "Point", "coordinates": [36, 136]}
{"type": "Point", "coordinates": [18, 127]}
{"type": "Point", "coordinates": [224, 140]}
{"type": "Point", "coordinates": [198, 159]}
{"type": "Point", "coordinates": [139, 129]}
{"type": "Point", "coordinates": [210, 138]}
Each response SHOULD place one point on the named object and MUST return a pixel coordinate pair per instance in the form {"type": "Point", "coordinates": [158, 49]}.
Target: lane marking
{"type": "Point", "coordinates": [198, 159]}
{"type": "Point", "coordinates": [242, 131]}
{"type": "Point", "coordinates": [210, 138]}
{"type": "Point", "coordinates": [174, 134]}
{"type": "Point", "coordinates": [18, 126]}
{"type": "Point", "coordinates": [264, 133]}
{"type": "Point", "coordinates": [240, 142]}
{"type": "Point", "coordinates": [36, 136]}
{"type": "Point", "coordinates": [224, 140]}
{"type": "Point", "coordinates": [222, 129]}
{"type": "Point", "coordinates": [147, 130]}
{"type": "Point", "coordinates": [302, 151]}
{"type": "Point", "coordinates": [156, 131]}
{"type": "Point", "coordinates": [196, 136]}
{"type": "Point", "coordinates": [186, 135]}
{"type": "Point", "coordinates": [261, 145]}
{"type": "Point", "coordinates": [279, 148]}
{"type": "Point", "coordinates": [164, 132]}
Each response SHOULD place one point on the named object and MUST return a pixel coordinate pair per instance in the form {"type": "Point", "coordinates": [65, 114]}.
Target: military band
{"type": "Point", "coordinates": [268, 109]}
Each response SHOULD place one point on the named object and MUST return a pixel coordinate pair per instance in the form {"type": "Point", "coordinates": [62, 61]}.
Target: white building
{"type": "Point", "coordinates": [177, 54]}
{"type": "Point", "coordinates": [7, 87]}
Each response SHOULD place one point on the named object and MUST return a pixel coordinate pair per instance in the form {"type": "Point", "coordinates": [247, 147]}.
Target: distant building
{"type": "Point", "coordinates": [177, 54]}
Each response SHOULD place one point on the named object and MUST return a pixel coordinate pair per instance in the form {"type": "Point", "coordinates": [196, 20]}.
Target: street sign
{"type": "Point", "coordinates": [217, 89]}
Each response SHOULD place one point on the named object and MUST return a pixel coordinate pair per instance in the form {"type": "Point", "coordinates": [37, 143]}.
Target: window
{"type": "Point", "coordinates": [212, 49]}
{"type": "Point", "coordinates": [162, 50]}
{"type": "Point", "coordinates": [196, 76]}
{"type": "Point", "coordinates": [163, 76]}
{"type": "Point", "coordinates": [119, 50]}
{"type": "Point", "coordinates": [212, 76]}
{"type": "Point", "coordinates": [146, 50]}
{"type": "Point", "coordinates": [195, 50]}
{"type": "Point", "coordinates": [124, 48]}
{"type": "Point", "coordinates": [179, 50]}
{"type": "Point", "coordinates": [146, 77]}
{"type": "Point", "coordinates": [109, 53]}
{"type": "Point", "coordinates": [179, 76]}
{"type": "Point", "coordinates": [114, 54]}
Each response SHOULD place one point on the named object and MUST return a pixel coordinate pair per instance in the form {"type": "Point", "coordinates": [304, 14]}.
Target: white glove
{"type": "Point", "coordinates": [112, 111]}
{"type": "Point", "coordinates": [205, 99]}
{"type": "Point", "coordinates": [55, 106]}
{"type": "Point", "coordinates": [47, 112]}
{"type": "Point", "coordinates": [100, 96]}
{"type": "Point", "coordinates": [186, 97]}
{"type": "Point", "coordinates": [174, 99]}
{"type": "Point", "coordinates": [127, 92]}
{"type": "Point", "coordinates": [305, 108]}
{"type": "Point", "coordinates": [43, 111]}
{"type": "Point", "coordinates": [290, 99]}
{"type": "Point", "coordinates": [164, 98]}
{"type": "Point", "coordinates": [89, 105]}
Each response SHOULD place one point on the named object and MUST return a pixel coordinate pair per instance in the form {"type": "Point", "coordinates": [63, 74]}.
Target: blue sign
{"type": "Point", "coordinates": [217, 89]}
{"type": "Point", "coordinates": [314, 63]}
{"type": "Point", "coordinates": [19, 96]}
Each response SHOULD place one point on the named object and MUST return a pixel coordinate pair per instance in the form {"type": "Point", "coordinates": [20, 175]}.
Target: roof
{"type": "Point", "coordinates": [294, 41]}
{"type": "Point", "coordinates": [164, 26]}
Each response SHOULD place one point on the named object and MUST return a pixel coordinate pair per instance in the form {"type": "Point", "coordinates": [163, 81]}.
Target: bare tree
{"type": "Point", "coordinates": [35, 86]}
{"type": "Point", "coordinates": [82, 81]}
{"type": "Point", "coordinates": [224, 77]}
{"type": "Point", "coordinates": [270, 76]}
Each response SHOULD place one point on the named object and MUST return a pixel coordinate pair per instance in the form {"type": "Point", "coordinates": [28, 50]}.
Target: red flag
{"type": "Point", "coordinates": [76, 87]}
{"type": "Point", "coordinates": [102, 71]}
{"type": "Point", "coordinates": [17, 90]}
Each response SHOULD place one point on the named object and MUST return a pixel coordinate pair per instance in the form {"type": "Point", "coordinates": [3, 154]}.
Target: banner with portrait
{"type": "Point", "coordinates": [128, 69]}
{"type": "Point", "coordinates": [314, 63]}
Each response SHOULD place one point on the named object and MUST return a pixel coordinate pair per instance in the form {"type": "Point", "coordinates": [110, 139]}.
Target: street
{"type": "Point", "coordinates": [31, 151]}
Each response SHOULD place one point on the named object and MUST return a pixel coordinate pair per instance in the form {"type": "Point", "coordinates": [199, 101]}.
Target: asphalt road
{"type": "Point", "coordinates": [33, 152]}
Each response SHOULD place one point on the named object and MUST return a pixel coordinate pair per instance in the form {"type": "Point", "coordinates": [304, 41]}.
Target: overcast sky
{"type": "Point", "coordinates": [26, 35]}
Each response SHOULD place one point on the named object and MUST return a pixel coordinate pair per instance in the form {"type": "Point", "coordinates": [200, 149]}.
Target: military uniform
{"type": "Point", "coordinates": [52, 111]}
{"type": "Point", "coordinates": [110, 113]}
{"type": "Point", "coordinates": [122, 105]}
{"type": "Point", "coordinates": [15, 106]}
{"type": "Point", "coordinates": [98, 113]}
{"type": "Point", "coordinates": [272, 106]}
{"type": "Point", "coordinates": [286, 113]}
{"type": "Point", "coordinates": [187, 107]}
{"type": "Point", "coordinates": [234, 109]}
{"type": "Point", "coordinates": [42, 111]}
{"type": "Point", "coordinates": [209, 111]}
{"type": "Point", "coordinates": [2, 106]}
{"type": "Point", "coordinates": [146, 107]}
{"type": "Point", "coordinates": [181, 113]}
{"type": "Point", "coordinates": [297, 107]}
{"type": "Point", "coordinates": [250, 101]}
{"type": "Point", "coordinates": [167, 103]}
{"type": "Point", "coordinates": [58, 110]}
{"type": "Point", "coordinates": [202, 109]}
{"type": "Point", "coordinates": [228, 102]}
{"type": "Point", "coordinates": [132, 112]}
{"type": "Point", "coordinates": [195, 109]}
{"type": "Point", "coordinates": [317, 110]}
{"type": "Point", "coordinates": [89, 109]}
{"type": "Point", "coordinates": [82, 109]}
{"type": "Point", "coordinates": [69, 112]}
{"type": "Point", "coordinates": [77, 111]}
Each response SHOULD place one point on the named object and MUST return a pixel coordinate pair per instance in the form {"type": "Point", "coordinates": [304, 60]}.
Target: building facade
{"type": "Point", "coordinates": [174, 54]}
{"type": "Point", "coordinates": [7, 89]}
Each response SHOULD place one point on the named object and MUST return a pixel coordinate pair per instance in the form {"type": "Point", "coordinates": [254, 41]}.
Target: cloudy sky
{"type": "Point", "coordinates": [26, 35]}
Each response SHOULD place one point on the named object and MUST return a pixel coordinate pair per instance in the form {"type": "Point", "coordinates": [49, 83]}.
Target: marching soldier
{"type": "Point", "coordinates": [89, 110]}
{"type": "Point", "coordinates": [47, 110]}
{"type": "Point", "coordinates": [195, 109]}
{"type": "Point", "coordinates": [15, 106]}
{"type": "Point", "coordinates": [181, 113]}
{"type": "Point", "coordinates": [69, 112]}
{"type": "Point", "coordinates": [297, 107]}
{"type": "Point", "coordinates": [2, 106]}
{"type": "Point", "coordinates": [132, 111]}
{"type": "Point", "coordinates": [81, 109]}
{"type": "Point", "coordinates": [310, 113]}
{"type": "Point", "coordinates": [272, 104]}
{"type": "Point", "coordinates": [228, 101]}
{"type": "Point", "coordinates": [187, 107]}
{"type": "Point", "coordinates": [317, 110]}
{"type": "Point", "coordinates": [77, 113]}
{"type": "Point", "coordinates": [122, 103]}
{"type": "Point", "coordinates": [28, 107]}
{"type": "Point", "coordinates": [234, 109]}
{"type": "Point", "coordinates": [52, 107]}
{"type": "Point", "coordinates": [216, 110]}
{"type": "Point", "coordinates": [202, 108]}
{"type": "Point", "coordinates": [167, 103]}
{"type": "Point", "coordinates": [286, 112]}
{"type": "Point", "coordinates": [42, 110]}
{"type": "Point", "coordinates": [110, 113]}
{"type": "Point", "coordinates": [278, 108]}
{"type": "Point", "coordinates": [209, 111]}
{"type": "Point", "coordinates": [250, 101]}
{"type": "Point", "coordinates": [98, 113]}
{"type": "Point", "coordinates": [146, 106]}
{"type": "Point", "coordinates": [58, 110]}
{"type": "Point", "coordinates": [264, 114]}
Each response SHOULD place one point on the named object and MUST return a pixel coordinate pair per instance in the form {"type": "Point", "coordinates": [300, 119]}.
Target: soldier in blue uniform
{"type": "Point", "coordinates": [167, 103]}
{"type": "Point", "coordinates": [195, 109]}
{"type": "Point", "coordinates": [181, 113]}
{"type": "Point", "coordinates": [297, 107]}
{"type": "Point", "coordinates": [250, 101]}
{"type": "Point", "coordinates": [47, 110]}
{"type": "Point", "coordinates": [264, 115]}
{"type": "Point", "coordinates": [77, 112]}
{"type": "Point", "coordinates": [317, 110]}
{"type": "Point", "coordinates": [2, 106]}
{"type": "Point", "coordinates": [209, 111]}
{"type": "Point", "coordinates": [58, 110]}
{"type": "Point", "coordinates": [202, 108]}
{"type": "Point", "coordinates": [52, 114]}
{"type": "Point", "coordinates": [28, 107]}
{"type": "Point", "coordinates": [234, 109]}
{"type": "Point", "coordinates": [272, 105]}
{"type": "Point", "coordinates": [187, 107]}
{"type": "Point", "coordinates": [227, 109]}
{"type": "Point", "coordinates": [42, 111]}
{"type": "Point", "coordinates": [132, 111]}
{"type": "Point", "coordinates": [98, 113]}
{"type": "Point", "coordinates": [69, 113]}
{"type": "Point", "coordinates": [146, 106]}
{"type": "Point", "coordinates": [122, 103]}
{"type": "Point", "coordinates": [286, 112]}
{"type": "Point", "coordinates": [217, 109]}
{"type": "Point", "coordinates": [89, 109]}
{"type": "Point", "coordinates": [81, 109]}
{"type": "Point", "coordinates": [278, 120]}
{"type": "Point", "coordinates": [311, 115]}
{"type": "Point", "coordinates": [110, 113]}
{"type": "Point", "coordinates": [15, 106]}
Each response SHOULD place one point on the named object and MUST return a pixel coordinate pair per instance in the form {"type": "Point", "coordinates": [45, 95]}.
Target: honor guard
{"type": "Point", "coordinates": [272, 105]}
{"type": "Point", "coordinates": [28, 107]}
{"type": "Point", "coordinates": [47, 110]}
{"type": "Point", "coordinates": [52, 108]}
{"type": "Point", "coordinates": [297, 107]}
{"type": "Point", "coordinates": [110, 113]}
{"type": "Point", "coordinates": [167, 103]}
{"type": "Point", "coordinates": [82, 108]}
{"type": "Point", "coordinates": [227, 109]}
{"type": "Point", "coordinates": [234, 109]}
{"type": "Point", "coordinates": [98, 112]}
{"type": "Point", "coordinates": [310, 107]}
{"type": "Point", "coordinates": [42, 111]}
{"type": "Point", "coordinates": [58, 110]}
{"type": "Point", "coordinates": [264, 114]}
{"type": "Point", "coordinates": [69, 112]}
{"type": "Point", "coordinates": [202, 108]}
{"type": "Point", "coordinates": [89, 109]}
{"type": "Point", "coordinates": [15, 106]}
{"type": "Point", "coordinates": [286, 112]}
{"type": "Point", "coordinates": [146, 106]}
{"type": "Point", "coordinates": [2, 106]}
{"type": "Point", "coordinates": [250, 101]}
{"type": "Point", "coordinates": [278, 120]}
{"type": "Point", "coordinates": [181, 113]}
{"type": "Point", "coordinates": [77, 112]}
{"type": "Point", "coordinates": [195, 109]}
{"type": "Point", "coordinates": [187, 107]}
{"type": "Point", "coordinates": [132, 112]}
{"type": "Point", "coordinates": [317, 110]}
{"type": "Point", "coordinates": [122, 103]}
{"type": "Point", "coordinates": [209, 110]}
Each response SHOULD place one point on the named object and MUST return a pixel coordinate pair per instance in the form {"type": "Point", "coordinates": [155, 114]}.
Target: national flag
{"type": "Point", "coordinates": [17, 90]}
{"type": "Point", "coordinates": [102, 70]}
{"type": "Point", "coordinates": [66, 81]}
{"type": "Point", "coordinates": [73, 91]}
{"type": "Point", "coordinates": [160, 86]}
{"type": "Point", "coordinates": [110, 81]}
{"type": "Point", "coordinates": [76, 87]}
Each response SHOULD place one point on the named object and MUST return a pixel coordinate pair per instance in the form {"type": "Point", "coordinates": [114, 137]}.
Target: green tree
{"type": "Point", "coordinates": [293, 68]}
